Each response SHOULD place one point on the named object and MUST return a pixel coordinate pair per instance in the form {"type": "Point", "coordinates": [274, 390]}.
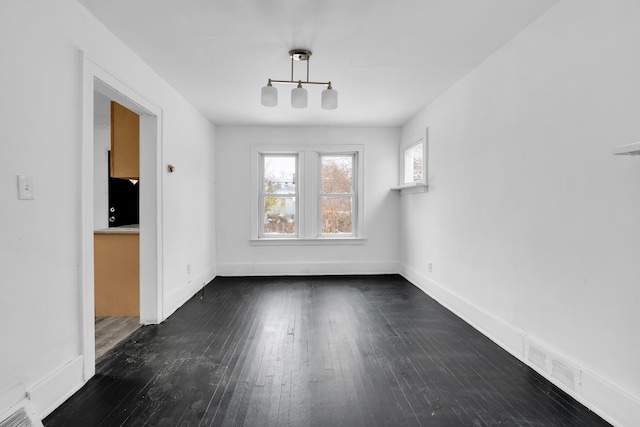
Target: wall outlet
{"type": "Point", "coordinates": [25, 187]}
{"type": "Point", "coordinates": [430, 267]}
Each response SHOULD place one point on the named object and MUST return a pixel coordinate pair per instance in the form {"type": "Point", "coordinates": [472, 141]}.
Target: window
{"type": "Point", "coordinates": [337, 194]}
{"type": "Point", "coordinates": [413, 159]}
{"type": "Point", "coordinates": [278, 195]}
{"type": "Point", "coordinates": [306, 193]}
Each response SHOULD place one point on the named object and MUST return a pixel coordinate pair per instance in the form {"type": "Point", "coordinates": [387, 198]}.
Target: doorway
{"type": "Point", "coordinates": [97, 82]}
{"type": "Point", "coordinates": [116, 224]}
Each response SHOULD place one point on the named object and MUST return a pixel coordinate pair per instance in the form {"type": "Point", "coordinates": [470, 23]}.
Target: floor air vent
{"type": "Point", "coordinates": [553, 366]}
{"type": "Point", "coordinates": [20, 418]}
{"type": "Point", "coordinates": [22, 414]}
{"type": "Point", "coordinates": [537, 356]}
{"type": "Point", "coordinates": [566, 374]}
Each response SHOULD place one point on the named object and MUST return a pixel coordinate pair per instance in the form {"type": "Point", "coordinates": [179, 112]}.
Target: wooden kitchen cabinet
{"type": "Point", "coordinates": [125, 142]}
{"type": "Point", "coordinates": [117, 273]}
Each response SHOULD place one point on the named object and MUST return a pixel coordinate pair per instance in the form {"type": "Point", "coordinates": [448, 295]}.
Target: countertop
{"type": "Point", "coordinates": [123, 229]}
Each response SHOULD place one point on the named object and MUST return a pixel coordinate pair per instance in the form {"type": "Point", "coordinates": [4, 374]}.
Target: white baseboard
{"type": "Point", "coordinates": [51, 392]}
{"type": "Point", "coordinates": [609, 402]}
{"type": "Point", "coordinates": [614, 405]}
{"type": "Point", "coordinates": [12, 391]}
{"type": "Point", "coordinates": [176, 299]}
{"type": "Point", "coordinates": [496, 329]}
{"type": "Point", "coordinates": [308, 268]}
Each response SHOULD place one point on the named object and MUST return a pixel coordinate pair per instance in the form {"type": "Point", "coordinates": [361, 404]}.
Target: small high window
{"type": "Point", "coordinates": [414, 175]}
{"type": "Point", "coordinates": [413, 163]}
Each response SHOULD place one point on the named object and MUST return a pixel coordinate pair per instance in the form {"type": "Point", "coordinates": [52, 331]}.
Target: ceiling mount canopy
{"type": "Point", "coordinates": [300, 55]}
{"type": "Point", "coordinates": [269, 94]}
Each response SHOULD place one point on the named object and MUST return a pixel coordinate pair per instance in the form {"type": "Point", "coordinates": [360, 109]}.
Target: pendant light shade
{"type": "Point", "coordinates": [269, 95]}
{"type": "Point", "coordinates": [329, 98]}
{"type": "Point", "coordinates": [299, 97]}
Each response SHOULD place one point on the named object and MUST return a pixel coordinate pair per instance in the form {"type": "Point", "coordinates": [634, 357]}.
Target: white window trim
{"type": "Point", "coordinates": [260, 189]}
{"type": "Point", "coordinates": [307, 242]}
{"type": "Point", "coordinates": [414, 186]}
{"type": "Point", "coordinates": [405, 166]}
{"type": "Point", "coordinates": [354, 194]}
{"type": "Point", "coordinates": [307, 221]}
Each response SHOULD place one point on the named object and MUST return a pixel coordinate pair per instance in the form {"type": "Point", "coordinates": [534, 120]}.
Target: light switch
{"type": "Point", "coordinates": [25, 187]}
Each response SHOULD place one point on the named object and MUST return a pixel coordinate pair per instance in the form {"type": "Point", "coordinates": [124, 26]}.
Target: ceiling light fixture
{"type": "Point", "coordinates": [269, 94]}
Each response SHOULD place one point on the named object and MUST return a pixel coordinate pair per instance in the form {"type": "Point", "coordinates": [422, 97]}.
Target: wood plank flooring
{"type": "Point", "coordinates": [110, 330]}
{"type": "Point", "coordinates": [315, 351]}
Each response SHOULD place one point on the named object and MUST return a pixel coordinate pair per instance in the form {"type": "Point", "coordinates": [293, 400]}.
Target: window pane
{"type": "Point", "coordinates": [279, 174]}
{"type": "Point", "coordinates": [337, 174]}
{"type": "Point", "coordinates": [413, 163]}
{"type": "Point", "coordinates": [279, 215]}
{"type": "Point", "coordinates": [336, 215]}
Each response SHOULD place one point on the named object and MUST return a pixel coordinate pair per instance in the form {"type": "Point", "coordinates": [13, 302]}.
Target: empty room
{"type": "Point", "coordinates": [319, 213]}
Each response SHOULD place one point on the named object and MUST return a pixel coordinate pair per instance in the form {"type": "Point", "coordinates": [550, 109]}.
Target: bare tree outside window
{"type": "Point", "coordinates": [306, 193]}
{"type": "Point", "coordinates": [337, 194]}
{"type": "Point", "coordinates": [279, 191]}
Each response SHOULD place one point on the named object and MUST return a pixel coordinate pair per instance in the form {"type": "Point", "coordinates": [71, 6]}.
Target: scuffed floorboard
{"type": "Point", "coordinates": [315, 351]}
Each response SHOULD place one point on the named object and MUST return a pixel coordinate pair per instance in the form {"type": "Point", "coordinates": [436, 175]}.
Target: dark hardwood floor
{"type": "Point", "coordinates": [319, 351]}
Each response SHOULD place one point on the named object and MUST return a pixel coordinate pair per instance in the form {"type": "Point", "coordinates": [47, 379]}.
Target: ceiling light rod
{"type": "Point", "coordinates": [299, 55]}
{"type": "Point", "coordinates": [269, 94]}
{"type": "Point", "coordinates": [295, 82]}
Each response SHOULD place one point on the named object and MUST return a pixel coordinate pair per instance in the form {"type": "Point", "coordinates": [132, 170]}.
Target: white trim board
{"type": "Point", "coordinates": [96, 78]}
{"type": "Point", "coordinates": [614, 405]}
{"type": "Point", "coordinates": [632, 149]}
{"type": "Point", "coordinates": [175, 299]}
{"type": "Point", "coordinates": [307, 268]}
{"type": "Point", "coordinates": [51, 392]}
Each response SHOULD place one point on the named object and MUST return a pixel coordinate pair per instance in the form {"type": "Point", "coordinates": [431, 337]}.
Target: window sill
{"type": "Point", "coordinates": [411, 187]}
{"type": "Point", "coordinates": [307, 242]}
{"type": "Point", "coordinates": [632, 149]}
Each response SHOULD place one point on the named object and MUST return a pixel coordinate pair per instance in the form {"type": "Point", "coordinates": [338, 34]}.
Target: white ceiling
{"type": "Point", "coordinates": [387, 59]}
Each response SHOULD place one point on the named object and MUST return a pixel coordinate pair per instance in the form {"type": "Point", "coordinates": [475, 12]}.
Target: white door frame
{"type": "Point", "coordinates": [98, 79]}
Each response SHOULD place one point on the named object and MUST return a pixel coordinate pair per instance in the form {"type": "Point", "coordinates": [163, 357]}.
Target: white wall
{"type": "Point", "coordinates": [530, 223]}
{"type": "Point", "coordinates": [188, 206]}
{"type": "Point", "coordinates": [236, 256]}
{"type": "Point", "coordinates": [102, 142]}
{"type": "Point", "coordinates": [41, 110]}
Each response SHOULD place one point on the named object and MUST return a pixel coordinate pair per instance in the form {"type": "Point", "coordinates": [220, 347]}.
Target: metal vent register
{"type": "Point", "coordinates": [18, 419]}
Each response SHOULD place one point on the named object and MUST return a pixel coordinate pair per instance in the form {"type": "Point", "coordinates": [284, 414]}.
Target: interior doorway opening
{"type": "Point", "coordinates": [98, 84]}
{"type": "Point", "coordinates": [116, 184]}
